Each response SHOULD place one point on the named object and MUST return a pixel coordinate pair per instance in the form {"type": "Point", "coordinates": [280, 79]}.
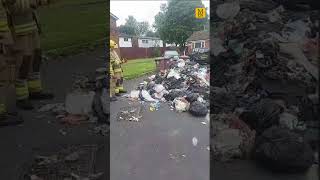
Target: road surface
{"type": "Point", "coordinates": [41, 131]}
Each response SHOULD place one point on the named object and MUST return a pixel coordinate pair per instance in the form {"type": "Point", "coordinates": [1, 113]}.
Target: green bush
{"type": "Point", "coordinates": [156, 52]}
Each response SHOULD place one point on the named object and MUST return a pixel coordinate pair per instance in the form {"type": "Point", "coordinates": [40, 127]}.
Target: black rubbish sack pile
{"type": "Point", "coordinates": [185, 86]}
{"type": "Point", "coordinates": [283, 150]}
{"type": "Point", "coordinates": [264, 59]}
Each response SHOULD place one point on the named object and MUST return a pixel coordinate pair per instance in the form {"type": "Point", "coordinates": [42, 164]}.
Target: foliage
{"type": "Point", "coordinates": [156, 52]}
{"type": "Point", "coordinates": [152, 34]}
{"type": "Point", "coordinates": [134, 28]}
{"type": "Point", "coordinates": [176, 21]}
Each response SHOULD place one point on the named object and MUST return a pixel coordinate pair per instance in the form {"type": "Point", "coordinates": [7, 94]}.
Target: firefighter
{"type": "Point", "coordinates": [112, 86]}
{"type": "Point", "coordinates": [118, 72]}
{"type": "Point", "coordinates": [26, 30]}
{"type": "Point", "coordinates": [8, 59]}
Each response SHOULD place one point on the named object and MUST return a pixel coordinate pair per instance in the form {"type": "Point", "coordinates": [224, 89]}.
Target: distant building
{"type": "Point", "coordinates": [113, 28]}
{"type": "Point", "coordinates": [127, 41]}
{"type": "Point", "coordinates": [114, 33]}
{"type": "Point", "coordinates": [146, 42]}
{"type": "Point", "coordinates": [199, 39]}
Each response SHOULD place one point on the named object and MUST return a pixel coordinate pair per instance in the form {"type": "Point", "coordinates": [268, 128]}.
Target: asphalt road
{"type": "Point", "coordinates": [143, 150]}
{"type": "Point", "coordinates": [40, 131]}
{"type": "Point", "coordinates": [159, 146]}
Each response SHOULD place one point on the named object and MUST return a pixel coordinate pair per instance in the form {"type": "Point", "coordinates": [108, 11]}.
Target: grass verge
{"type": "Point", "coordinates": [72, 26]}
{"type": "Point", "coordinates": [138, 67]}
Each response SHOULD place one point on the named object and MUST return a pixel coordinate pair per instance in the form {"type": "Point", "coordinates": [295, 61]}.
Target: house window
{"type": "Point", "coordinates": [125, 39]}
{"type": "Point", "coordinates": [197, 45]}
{"type": "Point", "coordinates": [145, 41]}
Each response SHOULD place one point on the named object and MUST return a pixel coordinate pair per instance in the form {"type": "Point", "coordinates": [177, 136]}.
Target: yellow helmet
{"type": "Point", "coordinates": [113, 44]}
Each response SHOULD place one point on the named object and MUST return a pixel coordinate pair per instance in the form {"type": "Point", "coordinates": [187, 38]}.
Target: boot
{"type": "Point", "coordinates": [41, 95]}
{"type": "Point", "coordinates": [25, 104]}
{"type": "Point", "coordinates": [113, 98]}
{"type": "Point", "coordinates": [10, 119]}
{"type": "Point", "coordinates": [122, 91]}
{"type": "Point", "coordinates": [35, 88]}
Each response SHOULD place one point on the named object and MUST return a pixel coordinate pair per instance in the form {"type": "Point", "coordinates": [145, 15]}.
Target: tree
{"type": "Point", "coordinates": [176, 21]}
{"type": "Point", "coordinates": [127, 30]}
{"type": "Point", "coordinates": [133, 27]}
{"type": "Point", "coordinates": [152, 34]}
{"type": "Point", "coordinates": [142, 28]}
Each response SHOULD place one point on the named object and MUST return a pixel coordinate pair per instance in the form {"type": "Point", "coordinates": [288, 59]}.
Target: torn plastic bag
{"type": "Point", "coordinates": [191, 97]}
{"type": "Point", "coordinates": [150, 85]}
{"type": "Point", "coordinates": [181, 104]}
{"type": "Point", "coordinates": [217, 47]}
{"type": "Point", "coordinates": [198, 109]}
{"type": "Point", "coordinates": [283, 150]}
{"type": "Point", "coordinates": [159, 88]}
{"type": "Point", "coordinates": [181, 63]}
{"type": "Point", "coordinates": [134, 94]}
{"type": "Point", "coordinates": [228, 10]}
{"type": "Point", "coordinates": [173, 83]}
{"type": "Point", "coordinates": [262, 115]}
{"type": "Point", "coordinates": [288, 120]}
{"type": "Point", "coordinates": [174, 94]}
{"type": "Point", "coordinates": [145, 96]}
{"type": "Point", "coordinates": [79, 103]}
{"type": "Point", "coordinates": [173, 73]}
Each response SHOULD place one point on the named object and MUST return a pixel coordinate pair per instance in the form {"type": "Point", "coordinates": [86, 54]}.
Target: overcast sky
{"type": "Point", "coordinates": [141, 10]}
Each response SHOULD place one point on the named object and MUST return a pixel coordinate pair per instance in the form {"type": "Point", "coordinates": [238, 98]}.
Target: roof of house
{"type": "Point", "coordinates": [142, 37]}
{"type": "Point", "coordinates": [113, 16]}
{"type": "Point", "coordinates": [125, 35]}
{"type": "Point", "coordinates": [148, 38]}
{"type": "Point", "coordinates": [199, 35]}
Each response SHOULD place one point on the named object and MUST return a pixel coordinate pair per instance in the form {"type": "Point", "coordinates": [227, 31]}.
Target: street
{"type": "Point", "coordinates": [41, 131]}
{"type": "Point", "coordinates": [159, 146]}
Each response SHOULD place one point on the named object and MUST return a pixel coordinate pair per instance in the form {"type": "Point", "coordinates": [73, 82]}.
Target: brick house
{"type": "Point", "coordinates": [199, 39]}
{"type": "Point", "coordinates": [114, 33]}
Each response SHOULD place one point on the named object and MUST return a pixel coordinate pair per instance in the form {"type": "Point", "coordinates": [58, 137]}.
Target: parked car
{"type": "Point", "coordinates": [171, 54]}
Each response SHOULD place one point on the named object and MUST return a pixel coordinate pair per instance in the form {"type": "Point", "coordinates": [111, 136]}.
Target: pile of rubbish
{"type": "Point", "coordinates": [76, 162]}
{"type": "Point", "coordinates": [264, 91]}
{"type": "Point", "coordinates": [87, 102]}
{"type": "Point", "coordinates": [185, 86]}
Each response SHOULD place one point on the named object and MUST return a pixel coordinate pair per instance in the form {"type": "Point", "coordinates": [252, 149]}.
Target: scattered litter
{"type": "Point", "coordinates": [69, 163]}
{"type": "Point", "coordinates": [146, 96]}
{"type": "Point", "coordinates": [79, 103]}
{"type": "Point", "coordinates": [72, 119]}
{"type": "Point", "coordinates": [194, 141]}
{"type": "Point", "coordinates": [131, 113]}
{"type": "Point", "coordinates": [52, 107]}
{"type": "Point", "coordinates": [154, 106]}
{"type": "Point", "coordinates": [134, 94]}
{"type": "Point", "coordinates": [177, 156]}
{"type": "Point", "coordinates": [102, 129]}
{"type": "Point", "coordinates": [63, 132]}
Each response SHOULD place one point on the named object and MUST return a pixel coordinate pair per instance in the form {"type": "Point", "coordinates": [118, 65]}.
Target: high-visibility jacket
{"type": "Point", "coordinates": [117, 61]}
{"type": "Point", "coordinates": [111, 69]}
{"type": "Point", "coordinates": [23, 16]}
